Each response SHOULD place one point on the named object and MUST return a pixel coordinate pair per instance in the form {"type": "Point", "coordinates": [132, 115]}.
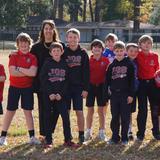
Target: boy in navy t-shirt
{"type": "Point", "coordinates": [109, 42]}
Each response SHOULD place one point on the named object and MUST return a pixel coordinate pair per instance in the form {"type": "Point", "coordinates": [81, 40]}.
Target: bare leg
{"type": "Point", "coordinates": [80, 120]}
{"type": "Point", "coordinates": [89, 118]}
{"type": "Point", "coordinates": [7, 120]}
{"type": "Point", "coordinates": [29, 119]}
{"type": "Point", "coordinates": [102, 116]}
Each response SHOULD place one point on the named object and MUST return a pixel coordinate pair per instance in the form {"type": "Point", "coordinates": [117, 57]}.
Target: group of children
{"type": "Point", "coordinates": [117, 74]}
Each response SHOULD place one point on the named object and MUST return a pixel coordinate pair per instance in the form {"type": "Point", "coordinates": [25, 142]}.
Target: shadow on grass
{"type": "Point", "coordinates": [94, 150]}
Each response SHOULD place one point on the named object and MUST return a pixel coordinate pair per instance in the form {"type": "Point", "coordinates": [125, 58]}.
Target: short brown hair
{"type": "Point", "coordinates": [119, 45]}
{"type": "Point", "coordinates": [73, 30]}
{"type": "Point", "coordinates": [24, 37]}
{"type": "Point", "coordinates": [97, 42]}
{"type": "Point", "coordinates": [131, 45]}
{"type": "Point", "coordinates": [112, 37]}
{"type": "Point", "coordinates": [55, 45]}
{"type": "Point", "coordinates": [145, 38]}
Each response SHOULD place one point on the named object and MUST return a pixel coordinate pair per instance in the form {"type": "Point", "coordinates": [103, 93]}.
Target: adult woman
{"type": "Point", "coordinates": [40, 49]}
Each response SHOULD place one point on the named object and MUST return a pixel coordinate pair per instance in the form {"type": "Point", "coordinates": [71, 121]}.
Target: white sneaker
{"type": "Point", "coordinates": [34, 140]}
{"type": "Point", "coordinates": [88, 135]}
{"type": "Point", "coordinates": [102, 136]}
{"type": "Point", "coordinates": [3, 141]}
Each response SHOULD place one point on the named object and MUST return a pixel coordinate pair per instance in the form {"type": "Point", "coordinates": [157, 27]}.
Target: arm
{"type": "Point", "coordinates": [107, 82]}
{"type": "Point", "coordinates": [14, 72]}
{"type": "Point", "coordinates": [45, 84]}
{"type": "Point", "coordinates": [131, 79]}
{"type": "Point", "coordinates": [31, 72]}
{"type": "Point", "coordinates": [64, 86]}
{"type": "Point", "coordinates": [157, 63]}
{"type": "Point", "coordinates": [13, 67]}
{"type": "Point", "coordinates": [2, 74]}
{"type": "Point", "coordinates": [2, 78]}
{"type": "Point", "coordinates": [86, 73]}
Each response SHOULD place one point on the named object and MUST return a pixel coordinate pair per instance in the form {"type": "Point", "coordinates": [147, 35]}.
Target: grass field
{"type": "Point", "coordinates": [18, 149]}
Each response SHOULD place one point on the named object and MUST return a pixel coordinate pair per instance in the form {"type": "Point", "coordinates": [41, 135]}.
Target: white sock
{"type": "Point", "coordinates": [130, 128]}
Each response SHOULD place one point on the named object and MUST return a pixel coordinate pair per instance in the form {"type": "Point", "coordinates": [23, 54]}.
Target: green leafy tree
{"type": "Point", "coordinates": [13, 13]}
{"type": "Point", "coordinates": [74, 9]}
{"type": "Point", "coordinates": [155, 16]}
{"type": "Point", "coordinates": [117, 9]}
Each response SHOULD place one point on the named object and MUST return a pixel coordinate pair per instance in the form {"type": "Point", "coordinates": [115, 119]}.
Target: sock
{"type": "Point", "coordinates": [101, 130]}
{"type": "Point", "coordinates": [81, 133]}
{"type": "Point", "coordinates": [3, 133]}
{"type": "Point", "coordinates": [130, 128]}
{"type": "Point", "coordinates": [31, 133]}
{"type": "Point", "coordinates": [88, 129]}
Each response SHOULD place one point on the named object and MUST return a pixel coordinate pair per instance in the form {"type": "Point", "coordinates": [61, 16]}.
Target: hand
{"type": "Point", "coordinates": [107, 103]}
{"type": "Point", "coordinates": [84, 94]}
{"type": "Point", "coordinates": [129, 100]}
{"type": "Point", "coordinates": [52, 97]}
{"type": "Point", "coordinates": [58, 97]}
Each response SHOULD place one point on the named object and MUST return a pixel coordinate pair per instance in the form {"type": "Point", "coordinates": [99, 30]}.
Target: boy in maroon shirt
{"type": "Point", "coordinates": [2, 79]}
{"type": "Point", "coordinates": [22, 69]}
{"type": "Point", "coordinates": [147, 62]}
{"type": "Point", "coordinates": [98, 67]}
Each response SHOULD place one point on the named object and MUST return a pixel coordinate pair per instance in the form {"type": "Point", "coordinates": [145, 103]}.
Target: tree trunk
{"type": "Point", "coordinates": [60, 9]}
{"type": "Point", "coordinates": [55, 6]}
{"type": "Point", "coordinates": [84, 10]}
{"type": "Point", "coordinates": [136, 25]}
{"type": "Point", "coordinates": [91, 10]}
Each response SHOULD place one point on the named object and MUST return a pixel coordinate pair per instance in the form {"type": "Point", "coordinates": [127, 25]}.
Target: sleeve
{"type": "Point", "coordinates": [34, 61]}
{"type": "Point", "coordinates": [131, 79]}
{"type": "Point", "coordinates": [157, 63]}
{"type": "Point", "coordinates": [107, 82]}
{"type": "Point", "coordinates": [107, 63]}
{"type": "Point", "coordinates": [104, 53]}
{"type": "Point", "coordinates": [12, 61]}
{"type": "Point", "coordinates": [45, 84]}
{"type": "Point", "coordinates": [85, 71]}
{"type": "Point", "coordinates": [2, 71]}
{"type": "Point", "coordinates": [64, 86]}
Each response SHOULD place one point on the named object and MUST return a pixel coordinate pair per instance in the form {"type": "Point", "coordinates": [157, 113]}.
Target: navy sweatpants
{"type": "Point", "coordinates": [146, 92]}
{"type": "Point", "coordinates": [56, 108]}
{"type": "Point", "coordinates": [120, 111]}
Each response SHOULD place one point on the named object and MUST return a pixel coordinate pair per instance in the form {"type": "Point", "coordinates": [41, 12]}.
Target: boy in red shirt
{"type": "Point", "coordinates": [2, 79]}
{"type": "Point", "coordinates": [22, 69]}
{"type": "Point", "coordinates": [98, 67]}
{"type": "Point", "coordinates": [148, 64]}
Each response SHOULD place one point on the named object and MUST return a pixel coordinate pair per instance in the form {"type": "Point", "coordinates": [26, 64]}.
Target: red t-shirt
{"type": "Point", "coordinates": [24, 61]}
{"type": "Point", "coordinates": [147, 65]}
{"type": "Point", "coordinates": [98, 69]}
{"type": "Point", "coordinates": [2, 73]}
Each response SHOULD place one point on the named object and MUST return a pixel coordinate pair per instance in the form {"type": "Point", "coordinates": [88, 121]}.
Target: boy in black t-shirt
{"type": "Point", "coordinates": [120, 78]}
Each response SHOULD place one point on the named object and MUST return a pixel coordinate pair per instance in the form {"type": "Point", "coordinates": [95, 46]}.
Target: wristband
{"type": "Point", "coordinates": [17, 69]}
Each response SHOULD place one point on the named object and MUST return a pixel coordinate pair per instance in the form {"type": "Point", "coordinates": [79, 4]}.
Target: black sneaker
{"type": "Point", "coordinates": [130, 136]}
{"type": "Point", "coordinates": [140, 138]}
{"type": "Point", "coordinates": [81, 139]}
{"type": "Point", "coordinates": [157, 136]}
{"type": "Point", "coordinates": [111, 142]}
{"type": "Point", "coordinates": [124, 143]}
